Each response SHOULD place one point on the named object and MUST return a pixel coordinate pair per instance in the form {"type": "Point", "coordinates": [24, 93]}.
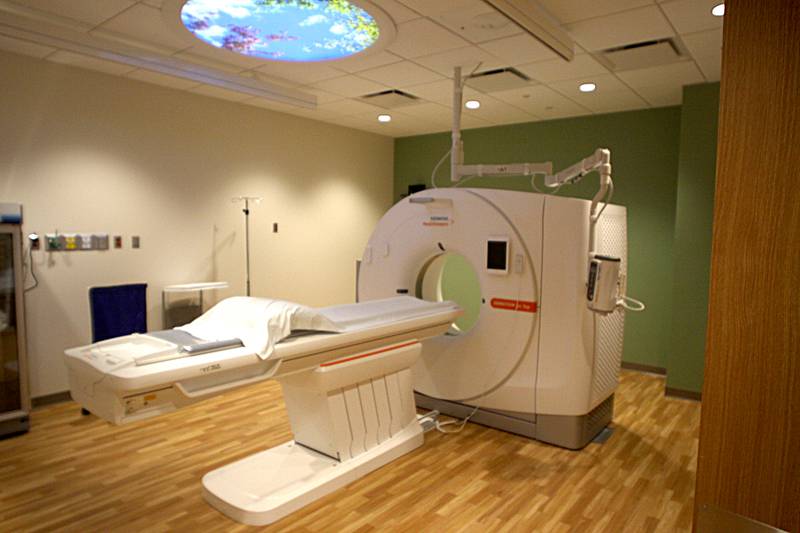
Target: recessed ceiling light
{"type": "Point", "coordinates": [472, 104]}
{"type": "Point", "coordinates": [384, 118]}
{"type": "Point", "coordinates": [718, 10]}
{"type": "Point", "coordinates": [587, 87]}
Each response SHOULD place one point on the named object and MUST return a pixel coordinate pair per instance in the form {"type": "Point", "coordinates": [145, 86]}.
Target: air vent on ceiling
{"type": "Point", "coordinates": [500, 79]}
{"type": "Point", "coordinates": [390, 99]}
{"type": "Point", "coordinates": [642, 55]}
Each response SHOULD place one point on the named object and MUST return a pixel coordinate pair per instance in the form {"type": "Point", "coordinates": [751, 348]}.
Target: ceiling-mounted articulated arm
{"type": "Point", "coordinates": [459, 170]}
{"type": "Point", "coordinates": [600, 161]}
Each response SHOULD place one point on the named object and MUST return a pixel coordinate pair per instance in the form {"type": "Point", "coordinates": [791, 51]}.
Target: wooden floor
{"type": "Point", "coordinates": [76, 473]}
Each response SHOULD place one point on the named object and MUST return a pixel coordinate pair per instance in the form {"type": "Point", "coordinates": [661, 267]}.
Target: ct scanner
{"type": "Point", "coordinates": [536, 351]}
{"type": "Point", "coordinates": [534, 358]}
{"type": "Point", "coordinates": [538, 361]}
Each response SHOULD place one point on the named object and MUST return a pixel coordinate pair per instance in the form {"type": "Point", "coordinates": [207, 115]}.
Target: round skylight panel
{"type": "Point", "coordinates": [283, 30]}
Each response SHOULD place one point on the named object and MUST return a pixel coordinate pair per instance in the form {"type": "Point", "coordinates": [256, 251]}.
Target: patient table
{"type": "Point", "coordinates": [349, 397]}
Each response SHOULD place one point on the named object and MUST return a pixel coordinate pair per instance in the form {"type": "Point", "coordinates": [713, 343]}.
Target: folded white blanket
{"type": "Point", "coordinates": [260, 323]}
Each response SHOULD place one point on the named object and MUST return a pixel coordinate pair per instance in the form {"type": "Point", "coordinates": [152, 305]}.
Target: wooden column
{"type": "Point", "coordinates": [749, 457]}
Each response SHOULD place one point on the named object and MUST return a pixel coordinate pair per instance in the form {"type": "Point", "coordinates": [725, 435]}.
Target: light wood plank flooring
{"type": "Point", "coordinates": [76, 473]}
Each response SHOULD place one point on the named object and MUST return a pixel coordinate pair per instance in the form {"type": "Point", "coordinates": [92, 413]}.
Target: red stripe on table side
{"type": "Point", "coordinates": [363, 355]}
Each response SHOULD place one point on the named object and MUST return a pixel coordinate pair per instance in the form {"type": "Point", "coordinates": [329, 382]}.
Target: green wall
{"type": "Point", "coordinates": [692, 249]}
{"type": "Point", "coordinates": [644, 155]}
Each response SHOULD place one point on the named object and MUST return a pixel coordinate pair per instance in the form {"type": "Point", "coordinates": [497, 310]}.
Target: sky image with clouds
{"type": "Point", "coordinates": [285, 30]}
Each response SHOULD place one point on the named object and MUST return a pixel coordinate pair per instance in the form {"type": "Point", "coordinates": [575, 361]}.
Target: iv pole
{"type": "Point", "coordinates": [246, 211]}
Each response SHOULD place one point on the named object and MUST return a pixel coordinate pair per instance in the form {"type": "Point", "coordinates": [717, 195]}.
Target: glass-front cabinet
{"type": "Point", "coordinates": [14, 398]}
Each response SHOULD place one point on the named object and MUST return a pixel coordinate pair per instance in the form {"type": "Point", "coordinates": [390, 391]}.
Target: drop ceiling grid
{"type": "Point", "coordinates": [674, 28]}
{"type": "Point", "coordinates": [390, 70]}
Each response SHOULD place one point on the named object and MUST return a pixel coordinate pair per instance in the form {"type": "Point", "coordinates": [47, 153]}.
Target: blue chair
{"type": "Point", "coordinates": [117, 310]}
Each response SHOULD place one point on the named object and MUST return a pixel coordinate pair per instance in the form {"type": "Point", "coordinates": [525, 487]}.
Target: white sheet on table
{"type": "Point", "coordinates": [259, 323]}
{"type": "Point", "coordinates": [351, 317]}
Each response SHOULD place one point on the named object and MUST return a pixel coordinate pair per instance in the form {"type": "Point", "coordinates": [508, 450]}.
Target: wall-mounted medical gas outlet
{"type": "Point", "coordinates": [274, 227]}
{"type": "Point", "coordinates": [135, 241]}
{"type": "Point", "coordinates": [71, 242]}
{"type": "Point", "coordinates": [117, 241]}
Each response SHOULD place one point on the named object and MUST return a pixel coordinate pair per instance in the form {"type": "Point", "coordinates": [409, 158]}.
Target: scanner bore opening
{"type": "Point", "coordinates": [450, 276]}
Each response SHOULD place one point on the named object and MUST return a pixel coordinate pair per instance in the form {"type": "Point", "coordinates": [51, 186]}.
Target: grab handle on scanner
{"type": "Point", "coordinates": [219, 389]}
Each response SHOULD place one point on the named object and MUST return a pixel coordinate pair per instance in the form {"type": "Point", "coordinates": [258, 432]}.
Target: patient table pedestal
{"type": "Point", "coordinates": [349, 417]}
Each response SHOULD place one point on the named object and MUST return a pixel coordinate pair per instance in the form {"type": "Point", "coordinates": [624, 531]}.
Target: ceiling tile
{"type": "Point", "coordinates": [351, 122]}
{"type": "Point", "coordinates": [219, 92]}
{"type": "Point", "coordinates": [90, 11]}
{"type": "Point", "coordinates": [271, 80]}
{"type": "Point", "coordinates": [400, 74]}
{"type": "Point", "coordinates": [161, 79]}
{"type": "Point", "coordinates": [398, 119]}
{"type": "Point", "coordinates": [558, 69]}
{"type": "Point", "coordinates": [350, 86]}
{"type": "Point", "coordinates": [438, 91]}
{"type": "Point", "coordinates": [498, 112]}
{"type": "Point", "coordinates": [77, 60]}
{"type": "Point", "coordinates": [689, 16]}
{"type": "Point", "coordinates": [467, 58]}
{"type": "Point", "coordinates": [567, 11]}
{"type": "Point", "coordinates": [323, 97]}
{"type": "Point", "coordinates": [606, 83]}
{"type": "Point", "coordinates": [299, 73]}
{"type": "Point", "coordinates": [521, 118]}
{"type": "Point", "coordinates": [471, 121]}
{"type": "Point", "coordinates": [351, 107]}
{"type": "Point", "coordinates": [24, 47]}
{"type": "Point", "coordinates": [711, 67]}
{"type": "Point", "coordinates": [398, 12]}
{"type": "Point", "coordinates": [422, 37]}
{"type": "Point", "coordinates": [704, 43]}
{"type": "Point", "coordinates": [430, 111]}
{"type": "Point", "coordinates": [542, 102]}
{"type": "Point", "coordinates": [628, 27]}
{"type": "Point", "coordinates": [370, 125]}
{"type": "Point", "coordinates": [518, 50]}
{"type": "Point", "coordinates": [361, 62]}
{"type": "Point", "coordinates": [431, 8]}
{"type": "Point", "coordinates": [144, 23]}
{"type": "Point", "coordinates": [612, 101]}
{"type": "Point", "coordinates": [441, 92]}
{"type": "Point", "coordinates": [478, 24]}
{"type": "Point", "coordinates": [676, 74]}
{"type": "Point", "coordinates": [662, 96]}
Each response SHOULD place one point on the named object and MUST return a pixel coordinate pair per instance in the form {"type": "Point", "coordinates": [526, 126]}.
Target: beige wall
{"type": "Point", "coordinates": [89, 152]}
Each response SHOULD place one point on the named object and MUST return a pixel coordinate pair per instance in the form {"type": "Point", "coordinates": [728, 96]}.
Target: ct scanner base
{"type": "Point", "coordinates": [573, 432]}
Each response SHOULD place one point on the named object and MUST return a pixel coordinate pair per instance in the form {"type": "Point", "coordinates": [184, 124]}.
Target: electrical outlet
{"type": "Point", "coordinates": [117, 241]}
{"type": "Point", "coordinates": [135, 241]}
